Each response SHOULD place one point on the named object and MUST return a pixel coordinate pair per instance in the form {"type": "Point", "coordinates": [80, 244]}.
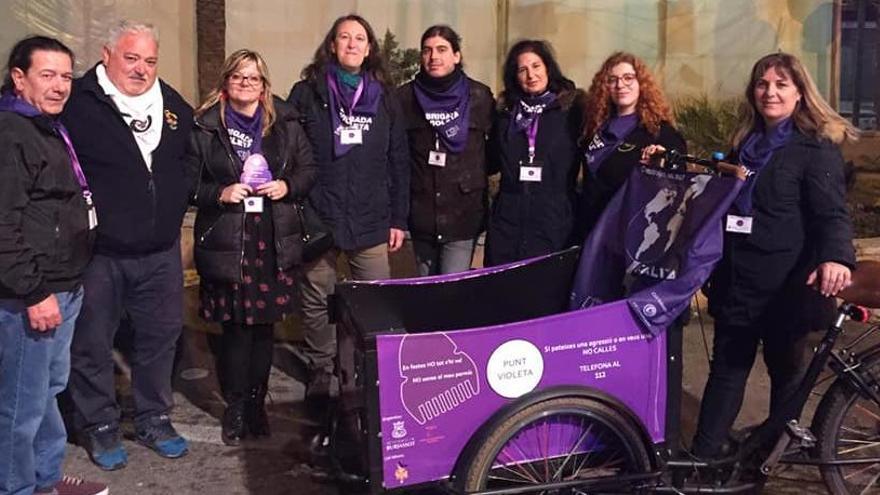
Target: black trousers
{"type": "Point", "coordinates": [733, 355]}
{"type": "Point", "coordinates": [245, 359]}
{"type": "Point", "coordinates": [149, 290]}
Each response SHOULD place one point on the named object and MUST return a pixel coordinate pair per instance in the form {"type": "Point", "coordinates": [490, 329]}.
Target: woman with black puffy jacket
{"type": "Point", "coordinates": [534, 146]}
{"type": "Point", "coordinates": [251, 161]}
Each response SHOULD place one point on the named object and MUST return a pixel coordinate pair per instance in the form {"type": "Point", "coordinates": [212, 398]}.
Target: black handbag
{"type": "Point", "coordinates": [316, 237]}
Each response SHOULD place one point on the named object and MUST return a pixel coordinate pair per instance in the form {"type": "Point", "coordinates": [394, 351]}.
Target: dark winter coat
{"type": "Point", "coordinates": [45, 241]}
{"type": "Point", "coordinates": [140, 210]}
{"type": "Point", "coordinates": [448, 203]}
{"type": "Point", "coordinates": [534, 218]}
{"type": "Point", "coordinates": [213, 165]}
{"type": "Point", "coordinates": [800, 220]}
{"type": "Point", "coordinates": [364, 193]}
{"type": "Point", "coordinates": [599, 188]}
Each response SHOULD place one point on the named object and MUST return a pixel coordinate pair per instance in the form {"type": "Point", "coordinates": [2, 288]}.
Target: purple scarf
{"type": "Point", "coordinates": [609, 137]}
{"type": "Point", "coordinates": [351, 107]}
{"type": "Point", "coordinates": [11, 103]}
{"type": "Point", "coordinates": [446, 109]}
{"type": "Point", "coordinates": [756, 152]}
{"type": "Point", "coordinates": [528, 109]}
{"type": "Point", "coordinates": [245, 133]}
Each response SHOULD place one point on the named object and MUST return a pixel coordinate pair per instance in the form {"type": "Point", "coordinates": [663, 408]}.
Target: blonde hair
{"type": "Point", "coordinates": [812, 114]}
{"type": "Point", "coordinates": [218, 92]}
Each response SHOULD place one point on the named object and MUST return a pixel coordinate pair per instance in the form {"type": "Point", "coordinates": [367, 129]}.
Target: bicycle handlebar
{"type": "Point", "coordinates": [865, 287]}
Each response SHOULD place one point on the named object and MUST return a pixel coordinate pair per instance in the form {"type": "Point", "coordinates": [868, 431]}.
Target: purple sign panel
{"type": "Point", "coordinates": [437, 389]}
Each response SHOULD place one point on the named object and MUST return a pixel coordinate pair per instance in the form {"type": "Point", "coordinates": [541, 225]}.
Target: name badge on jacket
{"type": "Point", "coordinates": [738, 225]}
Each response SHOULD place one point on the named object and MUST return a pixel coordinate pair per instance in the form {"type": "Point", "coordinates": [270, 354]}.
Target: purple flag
{"type": "Point", "coordinates": [655, 244]}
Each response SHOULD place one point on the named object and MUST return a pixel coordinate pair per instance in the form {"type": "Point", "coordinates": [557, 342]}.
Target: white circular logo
{"type": "Point", "coordinates": [515, 368]}
{"type": "Point", "coordinates": [649, 310]}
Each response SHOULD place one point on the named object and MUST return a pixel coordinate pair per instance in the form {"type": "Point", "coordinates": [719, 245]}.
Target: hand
{"type": "Point", "coordinates": [274, 189]}
{"type": "Point", "coordinates": [395, 240]}
{"type": "Point", "coordinates": [235, 193]}
{"type": "Point", "coordinates": [829, 278]}
{"type": "Point", "coordinates": [652, 152]}
{"type": "Point", "coordinates": [45, 315]}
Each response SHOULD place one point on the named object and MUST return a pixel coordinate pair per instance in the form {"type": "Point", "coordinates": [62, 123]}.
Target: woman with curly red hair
{"type": "Point", "coordinates": [625, 112]}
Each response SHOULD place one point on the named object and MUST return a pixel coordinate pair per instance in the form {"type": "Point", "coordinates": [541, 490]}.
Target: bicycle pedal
{"type": "Point", "coordinates": [800, 435]}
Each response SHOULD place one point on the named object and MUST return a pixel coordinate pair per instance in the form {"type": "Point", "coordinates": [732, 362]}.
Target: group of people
{"type": "Point", "coordinates": [97, 173]}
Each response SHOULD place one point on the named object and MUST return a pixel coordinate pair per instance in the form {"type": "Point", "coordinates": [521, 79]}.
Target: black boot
{"type": "Point", "coordinates": [255, 413]}
{"type": "Point", "coordinates": [233, 423]}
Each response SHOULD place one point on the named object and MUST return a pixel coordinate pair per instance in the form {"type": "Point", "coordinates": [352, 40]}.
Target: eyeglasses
{"type": "Point", "coordinates": [237, 78]}
{"type": "Point", "coordinates": [626, 79]}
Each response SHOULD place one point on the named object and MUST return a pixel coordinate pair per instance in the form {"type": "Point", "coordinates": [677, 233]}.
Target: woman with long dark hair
{"type": "Point", "coordinates": [448, 117]}
{"type": "Point", "coordinates": [251, 161]}
{"type": "Point", "coordinates": [534, 146]}
{"type": "Point", "coordinates": [354, 124]}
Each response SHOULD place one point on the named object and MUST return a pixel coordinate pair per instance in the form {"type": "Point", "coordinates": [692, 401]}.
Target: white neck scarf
{"type": "Point", "coordinates": [142, 113]}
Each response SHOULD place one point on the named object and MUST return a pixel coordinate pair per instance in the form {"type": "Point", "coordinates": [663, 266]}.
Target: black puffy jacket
{"type": "Point", "coordinates": [45, 241]}
{"type": "Point", "coordinates": [799, 221]}
{"type": "Point", "coordinates": [364, 193]}
{"type": "Point", "coordinates": [534, 218]}
{"type": "Point", "coordinates": [448, 203]}
{"type": "Point", "coordinates": [212, 164]}
{"type": "Point", "coordinates": [599, 188]}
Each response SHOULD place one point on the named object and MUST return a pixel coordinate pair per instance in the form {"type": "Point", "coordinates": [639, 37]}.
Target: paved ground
{"type": "Point", "coordinates": [277, 466]}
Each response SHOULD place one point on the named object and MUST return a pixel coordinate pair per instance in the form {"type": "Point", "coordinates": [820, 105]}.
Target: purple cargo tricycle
{"type": "Point", "coordinates": [489, 382]}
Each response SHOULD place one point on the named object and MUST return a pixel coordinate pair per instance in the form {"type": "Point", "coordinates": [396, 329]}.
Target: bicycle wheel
{"type": "Point", "coordinates": [558, 440]}
{"type": "Point", "coordinates": [847, 426]}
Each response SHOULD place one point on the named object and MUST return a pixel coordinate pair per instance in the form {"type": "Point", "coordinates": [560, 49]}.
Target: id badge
{"type": "Point", "coordinates": [437, 158]}
{"type": "Point", "coordinates": [253, 204]}
{"type": "Point", "coordinates": [351, 136]}
{"type": "Point", "coordinates": [530, 172]}
{"type": "Point", "coordinates": [738, 224]}
{"type": "Point", "coordinates": [93, 218]}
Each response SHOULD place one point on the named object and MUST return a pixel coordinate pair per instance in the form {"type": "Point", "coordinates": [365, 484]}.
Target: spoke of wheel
{"type": "Point", "coordinates": [859, 471]}
{"type": "Point", "coordinates": [856, 449]}
{"type": "Point", "coordinates": [526, 461]}
{"type": "Point", "coordinates": [870, 413]}
{"type": "Point", "coordinates": [519, 471]}
{"type": "Point", "coordinates": [545, 449]}
{"type": "Point", "coordinates": [869, 485]}
{"type": "Point", "coordinates": [855, 431]}
{"type": "Point", "coordinates": [574, 448]}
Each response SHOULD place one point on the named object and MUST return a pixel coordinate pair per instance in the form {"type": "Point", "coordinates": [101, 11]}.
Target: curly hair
{"type": "Point", "coordinates": [651, 107]}
{"type": "Point", "coordinates": [374, 63]}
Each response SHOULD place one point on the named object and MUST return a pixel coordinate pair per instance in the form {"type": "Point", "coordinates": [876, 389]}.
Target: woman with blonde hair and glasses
{"type": "Point", "coordinates": [251, 161]}
{"type": "Point", "coordinates": [787, 233]}
{"type": "Point", "coordinates": [626, 117]}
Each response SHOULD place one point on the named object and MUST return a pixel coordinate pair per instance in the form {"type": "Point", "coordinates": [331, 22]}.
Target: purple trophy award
{"type": "Point", "coordinates": [256, 171]}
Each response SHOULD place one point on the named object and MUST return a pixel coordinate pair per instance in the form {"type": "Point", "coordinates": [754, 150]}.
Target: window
{"type": "Point", "coordinates": [860, 62]}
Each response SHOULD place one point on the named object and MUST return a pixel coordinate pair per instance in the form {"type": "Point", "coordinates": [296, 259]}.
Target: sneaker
{"type": "Point", "coordinates": [104, 446]}
{"type": "Point", "coordinates": [158, 434]}
{"type": "Point", "coordinates": [71, 485]}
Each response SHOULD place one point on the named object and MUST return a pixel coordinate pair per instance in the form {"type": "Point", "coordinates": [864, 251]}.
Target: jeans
{"type": "Point", "coordinates": [440, 258]}
{"type": "Point", "coordinates": [319, 281]}
{"type": "Point", "coordinates": [733, 355]}
{"type": "Point", "coordinates": [34, 367]}
{"type": "Point", "coordinates": [149, 289]}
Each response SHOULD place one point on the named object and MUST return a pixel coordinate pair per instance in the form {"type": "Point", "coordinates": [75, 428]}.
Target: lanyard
{"type": "Point", "coordinates": [532, 136]}
{"type": "Point", "coordinates": [331, 81]}
{"type": "Point", "coordinates": [74, 162]}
